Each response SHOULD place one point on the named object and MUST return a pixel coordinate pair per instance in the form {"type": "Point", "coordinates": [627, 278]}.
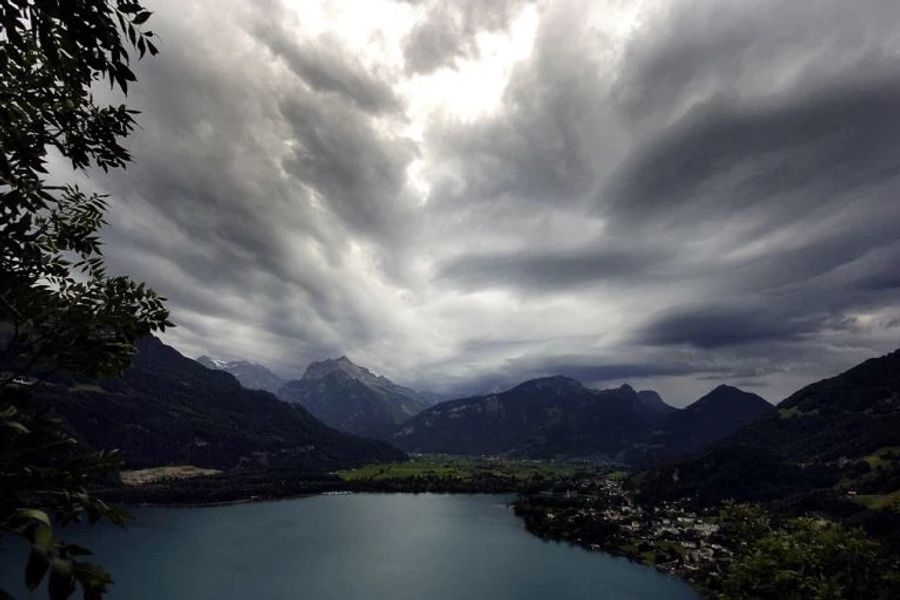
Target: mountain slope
{"type": "Point", "coordinates": [542, 417]}
{"type": "Point", "coordinates": [655, 403]}
{"type": "Point", "coordinates": [250, 375]}
{"type": "Point", "coordinates": [168, 409]}
{"type": "Point", "coordinates": [841, 432]}
{"type": "Point", "coordinates": [352, 398]}
{"type": "Point", "coordinates": [714, 416]}
{"type": "Point", "coordinates": [850, 415]}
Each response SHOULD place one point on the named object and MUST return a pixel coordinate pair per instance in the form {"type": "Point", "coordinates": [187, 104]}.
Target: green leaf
{"type": "Point", "coordinates": [33, 514]}
{"type": "Point", "coordinates": [36, 568]}
{"type": "Point", "coordinates": [62, 581]}
{"type": "Point", "coordinates": [18, 427]}
{"type": "Point", "coordinates": [42, 537]}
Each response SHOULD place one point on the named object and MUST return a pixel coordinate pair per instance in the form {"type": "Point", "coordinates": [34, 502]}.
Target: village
{"type": "Point", "coordinates": [598, 513]}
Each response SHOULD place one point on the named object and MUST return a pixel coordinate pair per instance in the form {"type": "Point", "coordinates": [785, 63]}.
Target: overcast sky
{"type": "Point", "coordinates": [462, 195]}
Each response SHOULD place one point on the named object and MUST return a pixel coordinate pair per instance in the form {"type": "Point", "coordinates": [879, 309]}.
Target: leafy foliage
{"type": "Point", "coordinates": [746, 523]}
{"type": "Point", "coordinates": [44, 469]}
{"type": "Point", "coordinates": [56, 299]}
{"type": "Point", "coordinates": [59, 309]}
{"type": "Point", "coordinates": [806, 558]}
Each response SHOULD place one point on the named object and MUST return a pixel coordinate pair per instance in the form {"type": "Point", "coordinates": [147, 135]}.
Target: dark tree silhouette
{"type": "Point", "coordinates": [59, 308]}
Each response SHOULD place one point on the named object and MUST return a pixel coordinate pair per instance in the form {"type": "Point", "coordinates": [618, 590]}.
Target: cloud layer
{"type": "Point", "coordinates": [464, 194]}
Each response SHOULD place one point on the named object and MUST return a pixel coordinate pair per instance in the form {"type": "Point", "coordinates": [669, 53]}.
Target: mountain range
{"type": "Point", "coordinates": [684, 432]}
{"type": "Point", "coordinates": [553, 416]}
{"type": "Point", "coordinates": [542, 417]}
{"type": "Point", "coordinates": [168, 409]}
{"type": "Point", "coordinates": [352, 398]}
{"type": "Point", "coordinates": [841, 433]}
{"type": "Point", "coordinates": [250, 375]}
{"type": "Point", "coordinates": [558, 416]}
{"type": "Point", "coordinates": [853, 414]}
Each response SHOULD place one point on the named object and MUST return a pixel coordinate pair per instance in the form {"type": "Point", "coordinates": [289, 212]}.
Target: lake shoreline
{"type": "Point", "coordinates": [404, 546]}
{"type": "Point", "coordinates": [244, 487]}
{"type": "Point", "coordinates": [516, 492]}
{"type": "Point", "coordinates": [254, 500]}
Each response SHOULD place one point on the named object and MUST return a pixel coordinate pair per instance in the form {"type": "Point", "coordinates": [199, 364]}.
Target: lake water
{"type": "Point", "coordinates": [353, 547]}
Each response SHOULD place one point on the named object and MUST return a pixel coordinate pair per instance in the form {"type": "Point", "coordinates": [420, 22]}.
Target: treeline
{"type": "Point", "coordinates": [237, 486]}
{"type": "Point", "coordinates": [234, 486]}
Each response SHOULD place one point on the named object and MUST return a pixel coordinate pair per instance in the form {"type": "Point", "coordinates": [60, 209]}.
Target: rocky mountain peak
{"type": "Point", "coordinates": [342, 364]}
{"type": "Point", "coordinates": [251, 375]}
{"type": "Point", "coordinates": [729, 396]}
{"type": "Point", "coordinates": [548, 383]}
{"type": "Point", "coordinates": [352, 398]}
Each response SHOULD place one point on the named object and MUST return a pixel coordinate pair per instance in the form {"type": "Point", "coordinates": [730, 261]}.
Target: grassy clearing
{"type": "Point", "coordinates": [461, 468]}
{"type": "Point", "coordinates": [618, 475]}
{"type": "Point", "coordinates": [795, 412]}
{"type": "Point", "coordinates": [880, 501]}
{"type": "Point", "coordinates": [883, 457]}
{"type": "Point", "coordinates": [145, 476]}
{"type": "Point", "coordinates": [86, 387]}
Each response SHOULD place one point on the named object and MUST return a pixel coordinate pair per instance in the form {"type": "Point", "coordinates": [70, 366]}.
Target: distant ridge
{"type": "Point", "coordinates": [352, 398]}
{"type": "Point", "coordinates": [654, 402]}
{"type": "Point", "coordinates": [852, 414]}
{"type": "Point", "coordinates": [722, 411]}
{"type": "Point", "coordinates": [827, 435]}
{"type": "Point", "coordinates": [543, 417]}
{"type": "Point", "coordinates": [251, 375]}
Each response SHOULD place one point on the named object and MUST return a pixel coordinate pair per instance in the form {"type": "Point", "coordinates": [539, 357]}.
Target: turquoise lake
{"type": "Point", "coordinates": [352, 547]}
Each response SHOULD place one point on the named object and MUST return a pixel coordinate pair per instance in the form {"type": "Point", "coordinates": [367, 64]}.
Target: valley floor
{"type": "Point", "coordinates": [429, 473]}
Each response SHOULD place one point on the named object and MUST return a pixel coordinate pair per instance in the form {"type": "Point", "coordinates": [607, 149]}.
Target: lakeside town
{"type": "Point", "coordinates": [599, 513]}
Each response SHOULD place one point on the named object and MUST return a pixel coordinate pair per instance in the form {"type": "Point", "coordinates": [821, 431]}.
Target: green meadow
{"type": "Point", "coordinates": [463, 469]}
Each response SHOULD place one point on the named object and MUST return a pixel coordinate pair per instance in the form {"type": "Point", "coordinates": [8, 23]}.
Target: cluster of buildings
{"type": "Point", "coordinates": [600, 514]}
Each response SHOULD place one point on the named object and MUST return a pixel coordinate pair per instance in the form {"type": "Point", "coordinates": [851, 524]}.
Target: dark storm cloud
{"type": "Point", "coordinates": [774, 312]}
{"type": "Point", "coordinates": [777, 162]}
{"type": "Point", "coordinates": [550, 270]}
{"type": "Point", "coordinates": [713, 326]}
{"type": "Point", "coordinates": [434, 42]}
{"type": "Point", "coordinates": [595, 372]}
{"type": "Point", "coordinates": [357, 171]}
{"type": "Point", "coordinates": [822, 170]}
{"type": "Point", "coordinates": [543, 147]}
{"type": "Point", "coordinates": [234, 229]}
{"type": "Point", "coordinates": [685, 51]}
{"type": "Point", "coordinates": [760, 154]}
{"type": "Point", "coordinates": [704, 195]}
{"type": "Point", "coordinates": [325, 67]}
{"type": "Point", "coordinates": [592, 373]}
{"type": "Point", "coordinates": [448, 31]}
